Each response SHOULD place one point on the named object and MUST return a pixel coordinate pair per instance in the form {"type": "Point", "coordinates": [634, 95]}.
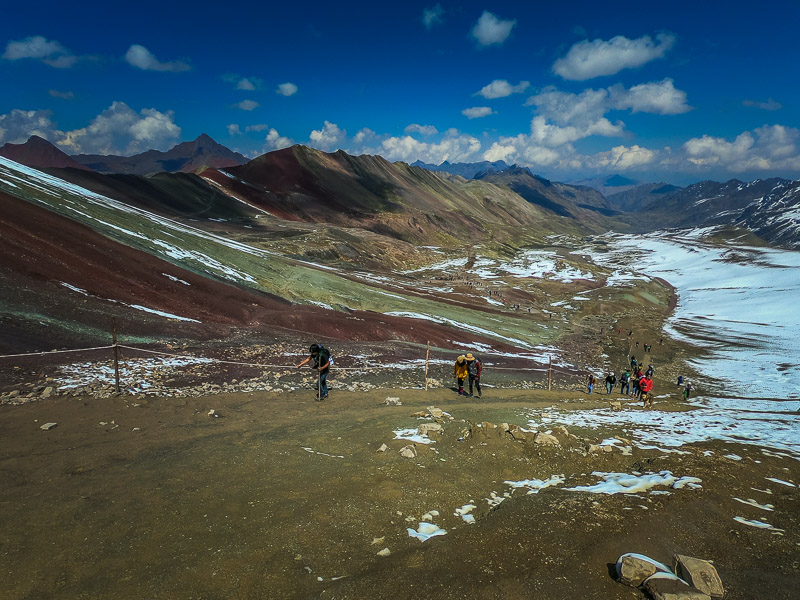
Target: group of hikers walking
{"type": "Point", "coordinates": [468, 367]}
{"type": "Point", "coordinates": [641, 381]}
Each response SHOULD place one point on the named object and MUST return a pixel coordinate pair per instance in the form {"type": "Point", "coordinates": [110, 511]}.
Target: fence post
{"type": "Point", "coordinates": [550, 374]}
{"type": "Point", "coordinates": [427, 356]}
{"type": "Point", "coordinates": [116, 352]}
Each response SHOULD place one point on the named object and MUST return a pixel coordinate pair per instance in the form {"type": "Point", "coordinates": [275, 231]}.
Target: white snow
{"type": "Point", "coordinates": [624, 483]}
{"type": "Point", "coordinates": [758, 524]}
{"type": "Point", "coordinates": [426, 531]}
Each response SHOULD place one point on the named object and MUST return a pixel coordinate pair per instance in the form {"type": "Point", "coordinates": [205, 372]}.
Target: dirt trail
{"type": "Point", "coordinates": [165, 501]}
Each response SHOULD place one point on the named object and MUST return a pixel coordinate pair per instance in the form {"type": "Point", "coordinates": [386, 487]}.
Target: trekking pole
{"type": "Point", "coordinates": [319, 385]}
{"type": "Point", "coordinates": [550, 374]}
{"type": "Point", "coordinates": [116, 353]}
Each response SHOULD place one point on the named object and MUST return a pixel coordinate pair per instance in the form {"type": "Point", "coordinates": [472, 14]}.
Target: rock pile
{"type": "Point", "coordinates": [691, 579]}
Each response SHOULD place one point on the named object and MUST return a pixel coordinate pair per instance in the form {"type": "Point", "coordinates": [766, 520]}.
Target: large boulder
{"type": "Point", "coordinates": [428, 428]}
{"type": "Point", "coordinates": [666, 586]}
{"type": "Point", "coordinates": [700, 574]}
{"type": "Point", "coordinates": [545, 439]}
{"type": "Point", "coordinates": [633, 569]}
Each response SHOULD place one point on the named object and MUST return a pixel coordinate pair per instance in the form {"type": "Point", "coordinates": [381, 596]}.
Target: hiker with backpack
{"type": "Point", "coordinates": [645, 387]}
{"type": "Point", "coordinates": [590, 382]}
{"type": "Point", "coordinates": [321, 359]}
{"type": "Point", "coordinates": [611, 380]}
{"type": "Point", "coordinates": [625, 382]}
{"type": "Point", "coordinates": [461, 372]}
{"type": "Point", "coordinates": [474, 369]}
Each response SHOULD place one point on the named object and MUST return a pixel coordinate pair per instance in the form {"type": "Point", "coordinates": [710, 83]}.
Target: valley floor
{"type": "Point", "coordinates": [284, 497]}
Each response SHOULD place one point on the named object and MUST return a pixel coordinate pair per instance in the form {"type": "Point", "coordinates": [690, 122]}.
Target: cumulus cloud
{"type": "Point", "coordinates": [476, 112]}
{"type": "Point", "coordinates": [286, 89]}
{"type": "Point", "coordinates": [422, 129]}
{"type": "Point", "coordinates": [365, 136]}
{"type": "Point", "coordinates": [490, 30]}
{"type": "Point", "coordinates": [276, 141]}
{"type": "Point", "coordinates": [771, 147]}
{"type": "Point", "coordinates": [62, 95]}
{"type": "Point", "coordinates": [586, 59]}
{"type": "Point", "coordinates": [768, 105]}
{"type": "Point", "coordinates": [121, 130]}
{"type": "Point", "coordinates": [257, 127]}
{"type": "Point", "coordinates": [329, 137]}
{"type": "Point", "coordinates": [40, 48]}
{"type": "Point", "coordinates": [622, 158]}
{"type": "Point", "coordinates": [432, 16]}
{"type": "Point", "coordinates": [233, 129]}
{"type": "Point", "coordinates": [660, 98]}
{"type": "Point", "coordinates": [140, 57]}
{"type": "Point", "coordinates": [454, 147]}
{"type": "Point", "coordinates": [18, 125]}
{"type": "Point", "coordinates": [247, 105]}
{"type": "Point", "coordinates": [500, 88]}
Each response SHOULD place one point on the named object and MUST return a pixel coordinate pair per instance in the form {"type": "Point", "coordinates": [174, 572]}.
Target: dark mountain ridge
{"type": "Point", "coordinates": [37, 152]}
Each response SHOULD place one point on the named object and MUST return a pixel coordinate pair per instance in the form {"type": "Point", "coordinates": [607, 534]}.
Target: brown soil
{"type": "Point", "coordinates": [164, 501]}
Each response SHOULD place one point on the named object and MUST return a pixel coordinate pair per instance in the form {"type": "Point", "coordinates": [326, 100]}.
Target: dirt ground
{"type": "Point", "coordinates": [284, 497]}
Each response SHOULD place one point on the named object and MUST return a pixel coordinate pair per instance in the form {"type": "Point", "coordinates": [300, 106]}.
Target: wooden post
{"type": "Point", "coordinates": [550, 374]}
{"type": "Point", "coordinates": [427, 356]}
{"type": "Point", "coordinates": [116, 352]}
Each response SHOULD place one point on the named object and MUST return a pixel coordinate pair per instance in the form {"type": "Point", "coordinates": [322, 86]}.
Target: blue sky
{"type": "Point", "coordinates": [678, 91]}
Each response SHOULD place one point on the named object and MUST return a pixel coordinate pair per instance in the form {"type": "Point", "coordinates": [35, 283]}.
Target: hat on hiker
{"type": "Point", "coordinates": [469, 356]}
{"type": "Point", "coordinates": [461, 358]}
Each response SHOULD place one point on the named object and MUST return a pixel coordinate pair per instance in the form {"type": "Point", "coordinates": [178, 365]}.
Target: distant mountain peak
{"type": "Point", "coordinates": [39, 153]}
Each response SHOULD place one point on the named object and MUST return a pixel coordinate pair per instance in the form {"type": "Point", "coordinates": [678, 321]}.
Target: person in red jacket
{"type": "Point", "coordinates": [646, 386]}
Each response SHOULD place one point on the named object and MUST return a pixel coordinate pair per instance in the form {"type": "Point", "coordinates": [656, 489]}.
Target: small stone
{"type": "Point", "coordinates": [545, 439]}
{"type": "Point", "coordinates": [666, 586]}
{"type": "Point", "coordinates": [384, 552]}
{"type": "Point", "coordinates": [633, 569]}
{"type": "Point", "coordinates": [436, 413]}
{"type": "Point", "coordinates": [393, 401]}
{"type": "Point", "coordinates": [700, 574]}
{"type": "Point", "coordinates": [427, 428]}
{"type": "Point", "coordinates": [383, 448]}
{"type": "Point", "coordinates": [409, 451]}
{"type": "Point", "coordinates": [615, 405]}
{"type": "Point", "coordinates": [376, 541]}
{"type": "Point", "coordinates": [48, 426]}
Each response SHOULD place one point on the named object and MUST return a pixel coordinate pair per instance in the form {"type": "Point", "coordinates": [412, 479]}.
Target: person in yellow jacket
{"type": "Point", "coordinates": [460, 372]}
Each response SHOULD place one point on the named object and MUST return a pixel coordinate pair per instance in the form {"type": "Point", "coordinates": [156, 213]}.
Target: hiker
{"type": "Point", "coordinates": [680, 379]}
{"type": "Point", "coordinates": [611, 381]}
{"type": "Point", "coordinates": [460, 371]}
{"type": "Point", "coordinates": [687, 391]}
{"type": "Point", "coordinates": [646, 386]}
{"type": "Point", "coordinates": [650, 370]}
{"type": "Point", "coordinates": [634, 363]}
{"type": "Point", "coordinates": [625, 382]}
{"type": "Point", "coordinates": [321, 359]}
{"type": "Point", "coordinates": [474, 368]}
{"type": "Point", "coordinates": [590, 382]}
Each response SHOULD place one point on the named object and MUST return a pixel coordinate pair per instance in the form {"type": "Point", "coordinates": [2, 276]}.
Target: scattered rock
{"type": "Point", "coordinates": [436, 413]}
{"type": "Point", "coordinates": [48, 426]}
{"type": "Point", "coordinates": [383, 448]}
{"type": "Point", "coordinates": [428, 428]}
{"type": "Point", "coordinates": [384, 552]}
{"type": "Point", "coordinates": [376, 541]}
{"type": "Point", "coordinates": [633, 569]}
{"type": "Point", "coordinates": [615, 405]}
{"type": "Point", "coordinates": [409, 451]}
{"type": "Point", "coordinates": [391, 401]}
{"type": "Point", "coordinates": [419, 414]}
{"type": "Point", "coordinates": [666, 586]}
{"type": "Point", "coordinates": [545, 439]}
{"type": "Point", "coordinates": [699, 573]}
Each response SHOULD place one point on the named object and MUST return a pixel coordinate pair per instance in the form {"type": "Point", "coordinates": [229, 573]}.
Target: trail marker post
{"type": "Point", "coordinates": [116, 353]}
{"type": "Point", "coordinates": [427, 356]}
{"type": "Point", "coordinates": [550, 374]}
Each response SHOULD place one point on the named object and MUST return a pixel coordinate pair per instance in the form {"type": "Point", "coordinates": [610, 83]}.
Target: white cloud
{"type": "Point", "coordinates": [771, 147]}
{"type": "Point", "coordinates": [454, 147]}
{"type": "Point", "coordinates": [247, 105]}
{"type": "Point", "coordinates": [490, 30]}
{"type": "Point", "coordinates": [140, 57]}
{"type": "Point", "coordinates": [38, 47]}
{"type": "Point", "coordinates": [433, 16]}
{"type": "Point", "coordinates": [476, 112]}
{"type": "Point", "coordinates": [586, 59]}
{"type": "Point", "coordinates": [247, 84]}
{"type": "Point", "coordinates": [329, 137]}
{"type": "Point", "coordinates": [276, 141]}
{"type": "Point", "coordinates": [421, 129]}
{"type": "Point", "coordinates": [286, 89]}
{"type": "Point", "coordinates": [660, 98]}
{"type": "Point", "coordinates": [121, 130]}
{"type": "Point", "coordinates": [366, 136]}
{"type": "Point", "coordinates": [768, 105]}
{"type": "Point", "coordinates": [622, 158]}
{"type": "Point", "coordinates": [500, 88]}
{"type": "Point", "coordinates": [18, 125]}
{"type": "Point", "coordinates": [233, 129]}
{"type": "Point", "coordinates": [62, 95]}
{"type": "Point", "coordinates": [257, 127]}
